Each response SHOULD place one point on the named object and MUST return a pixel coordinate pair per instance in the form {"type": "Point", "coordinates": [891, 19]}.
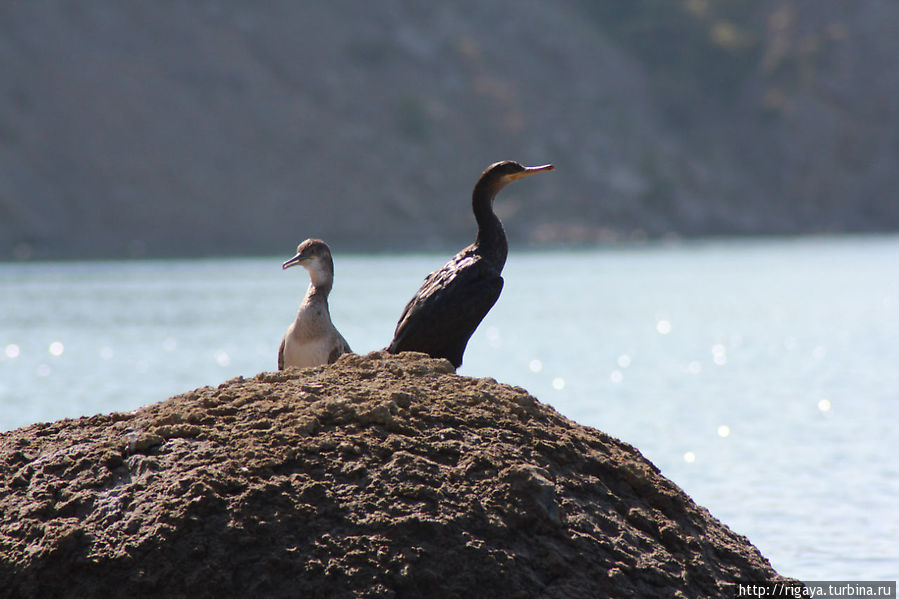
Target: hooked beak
{"type": "Point", "coordinates": [531, 170]}
{"type": "Point", "coordinates": [298, 259]}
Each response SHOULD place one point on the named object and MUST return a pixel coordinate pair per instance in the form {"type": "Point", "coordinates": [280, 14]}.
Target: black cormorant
{"type": "Point", "coordinates": [311, 339]}
{"type": "Point", "coordinates": [451, 303]}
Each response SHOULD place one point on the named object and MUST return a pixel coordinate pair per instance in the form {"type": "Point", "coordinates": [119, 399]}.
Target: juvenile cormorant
{"type": "Point", "coordinates": [451, 303]}
{"type": "Point", "coordinates": [311, 339]}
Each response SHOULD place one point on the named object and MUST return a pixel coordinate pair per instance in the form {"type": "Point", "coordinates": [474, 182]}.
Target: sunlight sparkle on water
{"type": "Point", "coordinates": [830, 404]}
{"type": "Point", "coordinates": [493, 337]}
{"type": "Point", "coordinates": [719, 354]}
{"type": "Point", "coordinates": [535, 365]}
{"type": "Point", "coordinates": [222, 358]}
{"type": "Point", "coordinates": [558, 383]}
{"type": "Point", "coordinates": [723, 431]}
{"type": "Point", "coordinates": [56, 348]}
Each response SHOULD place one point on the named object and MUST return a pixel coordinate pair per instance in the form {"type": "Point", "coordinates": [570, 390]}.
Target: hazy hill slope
{"type": "Point", "coordinates": [219, 127]}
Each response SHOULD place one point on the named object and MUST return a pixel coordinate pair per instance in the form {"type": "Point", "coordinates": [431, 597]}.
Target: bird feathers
{"type": "Point", "coordinates": [312, 339]}
{"type": "Point", "coordinates": [448, 308]}
{"type": "Point", "coordinates": [453, 301]}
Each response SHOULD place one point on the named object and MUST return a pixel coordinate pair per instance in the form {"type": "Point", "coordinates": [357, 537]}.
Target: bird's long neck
{"type": "Point", "coordinates": [320, 283]}
{"type": "Point", "coordinates": [317, 293]}
{"type": "Point", "coordinates": [491, 240]}
{"type": "Point", "coordinates": [313, 316]}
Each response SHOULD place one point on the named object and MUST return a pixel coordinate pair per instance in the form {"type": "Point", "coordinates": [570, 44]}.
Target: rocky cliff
{"type": "Point", "coordinates": [378, 476]}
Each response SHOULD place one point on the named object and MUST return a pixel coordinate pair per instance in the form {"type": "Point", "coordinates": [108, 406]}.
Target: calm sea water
{"type": "Point", "coordinates": [762, 377]}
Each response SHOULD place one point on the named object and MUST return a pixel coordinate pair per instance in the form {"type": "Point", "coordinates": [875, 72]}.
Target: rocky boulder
{"type": "Point", "coordinates": [377, 476]}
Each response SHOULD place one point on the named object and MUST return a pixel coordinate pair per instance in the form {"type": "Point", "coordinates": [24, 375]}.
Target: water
{"type": "Point", "coordinates": [760, 376]}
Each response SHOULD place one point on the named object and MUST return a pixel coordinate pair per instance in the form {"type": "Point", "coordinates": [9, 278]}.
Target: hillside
{"type": "Point", "coordinates": [222, 128]}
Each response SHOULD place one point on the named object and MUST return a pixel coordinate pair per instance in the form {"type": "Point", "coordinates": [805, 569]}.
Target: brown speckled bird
{"type": "Point", "coordinates": [312, 339]}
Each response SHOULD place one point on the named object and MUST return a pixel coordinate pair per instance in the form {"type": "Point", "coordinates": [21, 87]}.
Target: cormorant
{"type": "Point", "coordinates": [451, 303]}
{"type": "Point", "coordinates": [311, 339]}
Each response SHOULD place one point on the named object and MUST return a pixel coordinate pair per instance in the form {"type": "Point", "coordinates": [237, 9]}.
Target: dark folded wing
{"type": "Point", "coordinates": [448, 307]}
{"type": "Point", "coordinates": [340, 347]}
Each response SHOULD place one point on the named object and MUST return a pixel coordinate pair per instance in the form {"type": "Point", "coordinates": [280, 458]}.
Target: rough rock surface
{"type": "Point", "coordinates": [377, 476]}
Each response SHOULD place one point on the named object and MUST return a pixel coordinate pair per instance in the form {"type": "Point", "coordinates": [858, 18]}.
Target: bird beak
{"type": "Point", "coordinates": [531, 170]}
{"type": "Point", "coordinates": [298, 259]}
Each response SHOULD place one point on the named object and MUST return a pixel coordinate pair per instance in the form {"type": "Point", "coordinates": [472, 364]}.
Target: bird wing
{"type": "Point", "coordinates": [340, 347]}
{"type": "Point", "coordinates": [281, 354]}
{"type": "Point", "coordinates": [452, 301]}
